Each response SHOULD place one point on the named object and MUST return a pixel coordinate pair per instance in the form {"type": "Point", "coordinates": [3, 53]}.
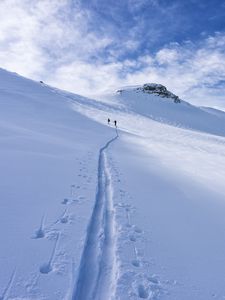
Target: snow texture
{"type": "Point", "coordinates": [91, 211]}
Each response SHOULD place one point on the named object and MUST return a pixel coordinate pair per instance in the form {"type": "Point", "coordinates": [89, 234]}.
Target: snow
{"type": "Point", "coordinates": [99, 249]}
{"type": "Point", "coordinates": [48, 154]}
{"type": "Point", "coordinates": [90, 212]}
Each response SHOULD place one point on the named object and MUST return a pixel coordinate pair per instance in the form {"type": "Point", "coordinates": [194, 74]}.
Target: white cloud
{"type": "Point", "coordinates": [18, 51]}
{"type": "Point", "coordinates": [87, 79]}
{"type": "Point", "coordinates": [37, 35]}
{"type": "Point", "coordinates": [56, 41]}
{"type": "Point", "coordinates": [167, 56]}
{"type": "Point", "coordinates": [190, 70]}
{"type": "Point", "coordinates": [194, 72]}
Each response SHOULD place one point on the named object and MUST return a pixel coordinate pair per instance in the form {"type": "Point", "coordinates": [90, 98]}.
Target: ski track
{"type": "Point", "coordinates": [98, 267]}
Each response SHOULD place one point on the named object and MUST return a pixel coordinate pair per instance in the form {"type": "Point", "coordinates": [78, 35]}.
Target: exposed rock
{"type": "Point", "coordinates": [157, 89]}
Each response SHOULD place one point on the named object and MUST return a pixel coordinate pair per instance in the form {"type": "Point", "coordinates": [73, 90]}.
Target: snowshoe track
{"type": "Point", "coordinates": [98, 268]}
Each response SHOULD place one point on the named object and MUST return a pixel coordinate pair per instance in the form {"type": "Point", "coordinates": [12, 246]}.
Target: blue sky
{"type": "Point", "coordinates": [156, 23]}
{"type": "Point", "coordinates": [93, 45]}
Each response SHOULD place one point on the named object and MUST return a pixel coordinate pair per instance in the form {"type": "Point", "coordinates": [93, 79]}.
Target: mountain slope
{"type": "Point", "coordinates": [87, 214]}
{"type": "Point", "coordinates": [164, 109]}
{"type": "Point", "coordinates": [48, 163]}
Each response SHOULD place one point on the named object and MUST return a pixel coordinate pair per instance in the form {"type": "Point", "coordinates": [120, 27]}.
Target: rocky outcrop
{"type": "Point", "coordinates": [157, 89]}
{"type": "Point", "coordinates": [160, 90]}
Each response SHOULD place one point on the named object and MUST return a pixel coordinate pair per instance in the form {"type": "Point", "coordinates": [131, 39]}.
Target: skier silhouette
{"type": "Point", "coordinates": [115, 122]}
{"type": "Point", "coordinates": [108, 121]}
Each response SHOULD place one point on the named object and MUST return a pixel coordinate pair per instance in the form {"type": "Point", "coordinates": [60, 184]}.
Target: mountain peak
{"type": "Point", "coordinates": [153, 88]}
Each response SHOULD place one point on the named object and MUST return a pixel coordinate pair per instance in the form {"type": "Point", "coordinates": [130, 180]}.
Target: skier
{"type": "Point", "coordinates": [115, 122]}
{"type": "Point", "coordinates": [108, 121]}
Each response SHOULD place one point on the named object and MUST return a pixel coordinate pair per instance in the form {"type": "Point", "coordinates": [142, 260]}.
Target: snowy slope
{"type": "Point", "coordinates": [88, 212]}
{"type": "Point", "coordinates": [49, 155]}
{"type": "Point", "coordinates": [165, 110]}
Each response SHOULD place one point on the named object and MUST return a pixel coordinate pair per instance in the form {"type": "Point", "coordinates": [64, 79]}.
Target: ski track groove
{"type": "Point", "coordinates": [98, 266]}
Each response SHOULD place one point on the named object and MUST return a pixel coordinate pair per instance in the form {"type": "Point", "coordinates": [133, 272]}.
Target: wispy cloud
{"type": "Point", "coordinates": [47, 33]}
{"type": "Point", "coordinates": [196, 72]}
{"type": "Point", "coordinates": [90, 46]}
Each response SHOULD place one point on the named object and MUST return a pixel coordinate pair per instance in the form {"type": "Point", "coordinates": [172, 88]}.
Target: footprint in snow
{"type": "Point", "coordinates": [65, 201]}
{"type": "Point", "coordinates": [137, 229]}
{"type": "Point", "coordinates": [136, 263]}
{"type": "Point", "coordinates": [147, 287]}
{"type": "Point", "coordinates": [64, 219]}
{"type": "Point", "coordinates": [40, 233]}
{"type": "Point", "coordinates": [142, 292]}
{"type": "Point", "coordinates": [132, 238]}
{"type": "Point", "coordinates": [47, 267]}
{"type": "Point", "coordinates": [72, 190]}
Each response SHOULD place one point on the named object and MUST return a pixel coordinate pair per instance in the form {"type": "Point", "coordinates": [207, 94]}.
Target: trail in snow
{"type": "Point", "coordinates": [97, 273]}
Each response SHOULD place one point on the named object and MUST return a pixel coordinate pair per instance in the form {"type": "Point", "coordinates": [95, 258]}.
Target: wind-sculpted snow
{"type": "Point", "coordinates": [139, 218]}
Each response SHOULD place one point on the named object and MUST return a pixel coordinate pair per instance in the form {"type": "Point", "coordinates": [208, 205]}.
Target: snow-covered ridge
{"type": "Point", "coordinates": [153, 88]}
{"type": "Point", "coordinates": [154, 101]}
